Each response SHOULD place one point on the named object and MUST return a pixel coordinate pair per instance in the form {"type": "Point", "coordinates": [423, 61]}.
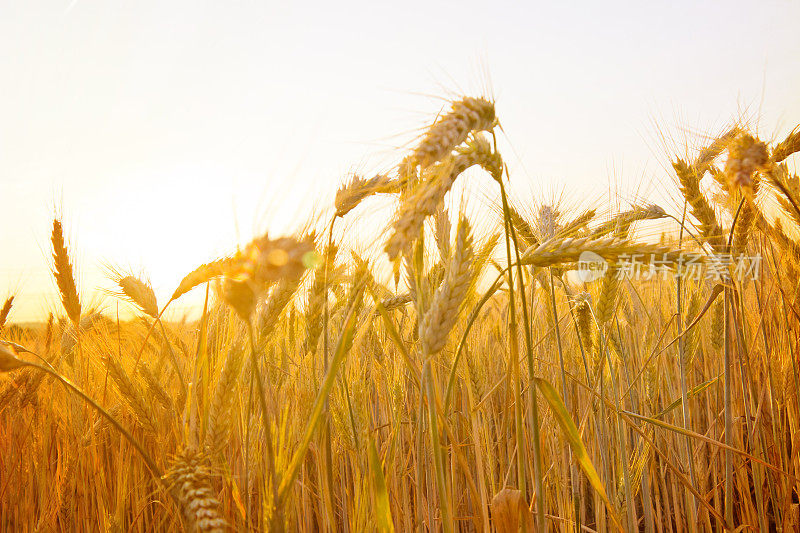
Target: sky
{"type": "Point", "coordinates": [164, 133]}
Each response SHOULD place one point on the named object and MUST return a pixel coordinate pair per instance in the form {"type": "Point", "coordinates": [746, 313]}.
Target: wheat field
{"type": "Point", "coordinates": [455, 375]}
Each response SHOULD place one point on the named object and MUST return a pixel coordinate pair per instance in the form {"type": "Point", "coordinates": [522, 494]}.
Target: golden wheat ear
{"type": "Point", "coordinates": [140, 293]}
{"type": "Point", "coordinates": [465, 116]}
{"type": "Point", "coordinates": [190, 479]}
{"type": "Point", "coordinates": [443, 312]}
{"type": "Point", "coordinates": [5, 310]}
{"type": "Point", "coordinates": [62, 271]}
{"type": "Point", "coordinates": [352, 193]}
{"type": "Point", "coordinates": [221, 413]}
{"type": "Point", "coordinates": [787, 147]}
{"type": "Point", "coordinates": [428, 195]}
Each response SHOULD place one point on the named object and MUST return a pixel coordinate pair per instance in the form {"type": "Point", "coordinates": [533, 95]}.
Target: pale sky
{"type": "Point", "coordinates": [166, 132]}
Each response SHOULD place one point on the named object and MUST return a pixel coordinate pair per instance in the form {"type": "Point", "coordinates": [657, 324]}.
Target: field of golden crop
{"type": "Point", "coordinates": [478, 383]}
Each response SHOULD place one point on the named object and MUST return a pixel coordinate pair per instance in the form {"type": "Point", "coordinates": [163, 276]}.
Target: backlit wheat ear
{"type": "Point", "coordinates": [350, 195]}
{"type": "Point", "coordinates": [156, 389]}
{"type": "Point", "coordinates": [189, 478]}
{"type": "Point", "coordinates": [316, 297]}
{"type": "Point", "coordinates": [442, 229]}
{"type": "Point", "coordinates": [707, 155]}
{"type": "Point", "coordinates": [789, 246]}
{"type": "Point", "coordinates": [90, 321]}
{"type": "Point", "coordinates": [787, 147]}
{"type": "Point", "coordinates": [583, 318]}
{"type": "Point", "coordinates": [469, 114]}
{"type": "Point", "coordinates": [202, 274]}
{"type": "Point", "coordinates": [395, 302]}
{"type": "Point", "coordinates": [62, 271]}
{"type": "Point", "coordinates": [240, 296]}
{"type": "Point", "coordinates": [140, 293]}
{"type": "Point", "coordinates": [698, 204]}
{"type": "Point", "coordinates": [279, 297]}
{"type": "Point", "coordinates": [523, 228]}
{"type": "Point", "coordinates": [787, 190]}
{"type": "Point", "coordinates": [622, 222]}
{"type": "Point", "coordinates": [48, 332]}
{"type": "Point", "coordinates": [690, 176]}
{"type": "Point", "coordinates": [221, 415]}
{"type": "Point", "coordinates": [130, 393]}
{"type": "Point", "coordinates": [443, 311]}
{"type": "Point", "coordinates": [426, 198]}
{"type": "Point", "coordinates": [547, 222]}
{"type": "Point", "coordinates": [8, 358]}
{"type": "Point", "coordinates": [746, 156]}
{"type": "Point", "coordinates": [718, 325]}
{"type": "Point", "coordinates": [5, 310]}
{"type": "Point", "coordinates": [607, 297]}
{"type": "Point", "coordinates": [561, 251]}
{"type": "Point", "coordinates": [748, 215]}
{"type": "Point", "coordinates": [575, 226]}
{"type": "Point", "coordinates": [265, 261]}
